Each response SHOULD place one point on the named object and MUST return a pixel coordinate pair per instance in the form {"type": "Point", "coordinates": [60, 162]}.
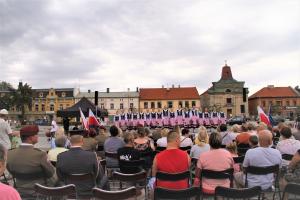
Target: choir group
{"type": "Point", "coordinates": [188, 118]}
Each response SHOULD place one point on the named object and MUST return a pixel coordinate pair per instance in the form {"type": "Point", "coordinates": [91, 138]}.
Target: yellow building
{"type": "Point", "coordinates": [159, 98]}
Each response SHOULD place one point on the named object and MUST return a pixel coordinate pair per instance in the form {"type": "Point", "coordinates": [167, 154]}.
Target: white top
{"type": "Point", "coordinates": [196, 150]}
{"type": "Point", "coordinates": [54, 126]}
{"type": "Point", "coordinates": [261, 157]}
{"type": "Point", "coordinates": [162, 142]}
{"type": "Point", "coordinates": [5, 130]}
{"type": "Point", "coordinates": [288, 146]}
{"type": "Point", "coordinates": [227, 137]}
{"type": "Point", "coordinates": [185, 141]}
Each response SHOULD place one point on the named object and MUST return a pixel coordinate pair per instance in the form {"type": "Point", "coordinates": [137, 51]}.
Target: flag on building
{"type": "Point", "coordinates": [83, 120]}
{"type": "Point", "coordinates": [92, 119]}
{"type": "Point", "coordinates": [262, 116]}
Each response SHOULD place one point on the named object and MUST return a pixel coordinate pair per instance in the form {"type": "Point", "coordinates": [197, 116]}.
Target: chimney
{"type": "Point", "coordinates": [20, 84]}
{"type": "Point", "coordinates": [226, 73]}
{"type": "Point", "coordinates": [172, 85]}
{"type": "Point", "coordinates": [162, 86]}
{"type": "Point", "coordinates": [270, 86]}
{"type": "Point", "coordinates": [179, 86]}
{"type": "Point", "coordinates": [89, 91]}
{"type": "Point", "coordinates": [107, 90]}
{"type": "Point", "coordinates": [137, 89]}
{"type": "Point", "coordinates": [128, 89]}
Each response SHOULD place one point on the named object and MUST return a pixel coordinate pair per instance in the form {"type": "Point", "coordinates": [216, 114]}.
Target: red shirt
{"type": "Point", "coordinates": [172, 161]}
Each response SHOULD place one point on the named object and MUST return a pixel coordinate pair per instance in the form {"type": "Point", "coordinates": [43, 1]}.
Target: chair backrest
{"type": "Point", "coordinates": [100, 148]}
{"type": "Point", "coordinates": [141, 176]}
{"type": "Point", "coordinates": [28, 177]}
{"type": "Point", "coordinates": [242, 148]}
{"type": "Point", "coordinates": [66, 190]}
{"type": "Point", "coordinates": [291, 188]}
{"type": "Point", "coordinates": [261, 171]}
{"type": "Point", "coordinates": [211, 174]}
{"type": "Point", "coordinates": [53, 163]}
{"type": "Point", "coordinates": [239, 159]}
{"type": "Point", "coordinates": [163, 176]}
{"type": "Point", "coordinates": [187, 148]}
{"type": "Point", "coordinates": [160, 149]}
{"type": "Point", "coordinates": [111, 155]}
{"type": "Point", "coordinates": [287, 156]}
{"type": "Point", "coordinates": [233, 193]}
{"type": "Point", "coordinates": [131, 166]}
{"type": "Point", "coordinates": [77, 178]}
{"type": "Point", "coordinates": [162, 193]}
{"type": "Point", "coordinates": [114, 195]}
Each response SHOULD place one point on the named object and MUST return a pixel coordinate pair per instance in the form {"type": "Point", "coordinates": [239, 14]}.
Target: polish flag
{"type": "Point", "coordinates": [262, 116]}
{"type": "Point", "coordinates": [92, 119]}
{"type": "Point", "coordinates": [84, 120]}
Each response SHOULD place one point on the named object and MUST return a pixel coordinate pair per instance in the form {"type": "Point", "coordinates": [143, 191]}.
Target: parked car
{"type": "Point", "coordinates": [236, 120]}
{"type": "Point", "coordinates": [41, 122]}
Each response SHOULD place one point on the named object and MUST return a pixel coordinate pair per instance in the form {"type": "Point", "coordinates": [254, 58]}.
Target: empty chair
{"type": "Point", "coordinates": [189, 193]}
{"type": "Point", "coordinates": [64, 192]}
{"type": "Point", "coordinates": [139, 180]}
{"type": "Point", "coordinates": [233, 193]}
{"type": "Point", "coordinates": [114, 195]}
{"type": "Point", "coordinates": [83, 182]}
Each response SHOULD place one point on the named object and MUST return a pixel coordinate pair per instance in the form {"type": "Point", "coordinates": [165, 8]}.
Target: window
{"type": "Point", "coordinates": [63, 94]}
{"type": "Point", "coordinates": [101, 99]}
{"type": "Point", "coordinates": [51, 94]}
{"type": "Point", "coordinates": [242, 108]}
{"type": "Point", "coordinates": [121, 99]}
{"type": "Point", "coordinates": [270, 103]}
{"type": "Point", "coordinates": [112, 106]}
{"type": "Point", "coordinates": [227, 90]}
{"type": "Point", "coordinates": [264, 103]}
{"type": "Point", "coordinates": [102, 105]}
{"type": "Point", "coordinates": [121, 106]}
{"type": "Point", "coordinates": [131, 99]}
{"type": "Point", "coordinates": [51, 107]}
{"type": "Point", "coordinates": [193, 103]}
{"type": "Point", "coordinates": [180, 104]}
{"type": "Point", "coordinates": [278, 103]}
{"type": "Point", "coordinates": [43, 107]}
{"type": "Point", "coordinates": [68, 105]}
{"type": "Point", "coordinates": [41, 94]}
{"type": "Point", "coordinates": [131, 105]}
{"type": "Point", "coordinates": [152, 104]}
{"type": "Point", "coordinates": [287, 103]}
{"type": "Point", "coordinates": [170, 104]}
{"type": "Point", "coordinates": [228, 100]}
{"type": "Point", "coordinates": [295, 103]}
{"type": "Point", "coordinates": [36, 107]}
{"type": "Point", "coordinates": [187, 104]}
{"type": "Point", "coordinates": [159, 104]}
{"type": "Point", "coordinates": [146, 105]}
{"type": "Point", "coordinates": [61, 107]}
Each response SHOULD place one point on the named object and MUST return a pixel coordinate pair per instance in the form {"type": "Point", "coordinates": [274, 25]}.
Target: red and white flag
{"type": "Point", "coordinates": [262, 116]}
{"type": "Point", "coordinates": [92, 119]}
{"type": "Point", "coordinates": [84, 120]}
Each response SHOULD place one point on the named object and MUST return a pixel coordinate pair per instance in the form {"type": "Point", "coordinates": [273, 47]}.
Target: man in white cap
{"type": "Point", "coordinates": [5, 130]}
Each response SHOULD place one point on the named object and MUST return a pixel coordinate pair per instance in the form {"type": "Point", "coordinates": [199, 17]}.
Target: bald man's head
{"type": "Point", "coordinates": [76, 140]}
{"type": "Point", "coordinates": [265, 138]}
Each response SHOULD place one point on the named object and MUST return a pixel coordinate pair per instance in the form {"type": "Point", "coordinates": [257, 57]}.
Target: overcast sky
{"type": "Point", "coordinates": [120, 44]}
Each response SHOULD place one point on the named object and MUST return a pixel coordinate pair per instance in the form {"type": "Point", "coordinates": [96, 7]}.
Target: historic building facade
{"type": "Point", "coordinates": [284, 101]}
{"type": "Point", "coordinates": [226, 95]}
{"type": "Point", "coordinates": [159, 98]}
{"type": "Point", "coordinates": [113, 101]}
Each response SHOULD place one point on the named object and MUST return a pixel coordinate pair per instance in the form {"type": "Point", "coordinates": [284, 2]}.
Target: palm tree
{"type": "Point", "coordinates": [22, 98]}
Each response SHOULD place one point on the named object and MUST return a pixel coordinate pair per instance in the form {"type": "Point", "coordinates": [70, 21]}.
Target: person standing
{"type": "Point", "coordinates": [5, 130]}
{"type": "Point", "coordinates": [66, 123]}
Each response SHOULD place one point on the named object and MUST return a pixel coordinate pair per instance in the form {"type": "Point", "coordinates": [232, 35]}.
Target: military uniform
{"type": "Point", "coordinates": [29, 161]}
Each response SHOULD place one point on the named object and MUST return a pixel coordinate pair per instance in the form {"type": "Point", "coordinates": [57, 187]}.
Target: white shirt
{"type": "Point", "coordinates": [5, 131]}
{"type": "Point", "coordinates": [54, 126]}
{"type": "Point", "coordinates": [185, 142]}
{"type": "Point", "coordinates": [162, 142]}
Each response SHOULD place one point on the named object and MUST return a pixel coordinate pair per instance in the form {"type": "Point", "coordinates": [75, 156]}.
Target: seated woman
{"type": "Point", "coordinates": [162, 142]}
{"type": "Point", "coordinates": [217, 159]}
{"type": "Point", "coordinates": [293, 174]}
{"type": "Point", "coordinates": [128, 153]}
{"type": "Point", "coordinates": [201, 144]}
{"type": "Point", "coordinates": [185, 139]}
{"type": "Point", "coordinates": [89, 142]}
{"type": "Point", "coordinates": [144, 144]}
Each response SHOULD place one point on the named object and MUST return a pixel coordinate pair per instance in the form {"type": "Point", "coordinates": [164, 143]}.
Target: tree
{"type": "Point", "coordinates": [22, 98]}
{"type": "Point", "coordinates": [6, 90]}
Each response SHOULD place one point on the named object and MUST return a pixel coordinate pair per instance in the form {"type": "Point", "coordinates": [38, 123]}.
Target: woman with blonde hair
{"type": "Point", "coordinates": [162, 142]}
{"type": "Point", "coordinates": [201, 144]}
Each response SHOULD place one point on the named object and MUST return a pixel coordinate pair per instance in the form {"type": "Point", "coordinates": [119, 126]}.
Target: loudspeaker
{"type": "Point", "coordinates": [96, 98]}
{"type": "Point", "coordinates": [244, 94]}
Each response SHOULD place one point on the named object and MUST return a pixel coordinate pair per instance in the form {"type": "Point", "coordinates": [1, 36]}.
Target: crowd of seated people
{"type": "Point", "coordinates": [212, 150]}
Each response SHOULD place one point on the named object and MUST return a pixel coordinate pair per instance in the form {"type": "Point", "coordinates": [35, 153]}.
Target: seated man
{"type": "Point", "coordinates": [79, 161]}
{"type": "Point", "coordinates": [172, 160]}
{"type": "Point", "coordinates": [29, 161]}
{"type": "Point", "coordinates": [261, 156]}
{"type": "Point", "coordinates": [7, 192]}
{"type": "Point", "coordinates": [129, 153]}
{"type": "Point", "coordinates": [111, 145]}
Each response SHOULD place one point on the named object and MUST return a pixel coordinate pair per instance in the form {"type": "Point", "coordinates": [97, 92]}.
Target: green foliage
{"type": "Point", "coordinates": [6, 95]}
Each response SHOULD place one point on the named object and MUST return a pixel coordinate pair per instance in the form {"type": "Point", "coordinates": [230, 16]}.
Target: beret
{"type": "Point", "coordinates": [29, 130]}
